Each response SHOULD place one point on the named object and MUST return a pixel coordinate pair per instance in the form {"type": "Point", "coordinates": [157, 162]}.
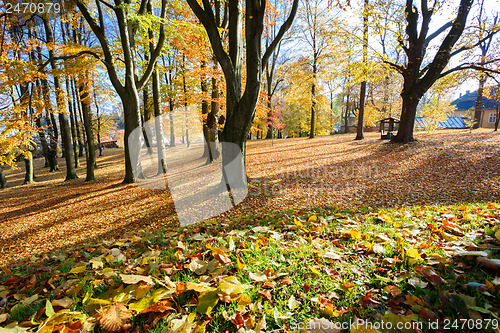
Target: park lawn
{"type": "Point", "coordinates": [276, 271]}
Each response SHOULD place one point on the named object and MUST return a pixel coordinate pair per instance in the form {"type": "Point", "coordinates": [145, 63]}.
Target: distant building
{"type": "Point", "coordinates": [466, 104]}
{"type": "Point", "coordinates": [449, 123]}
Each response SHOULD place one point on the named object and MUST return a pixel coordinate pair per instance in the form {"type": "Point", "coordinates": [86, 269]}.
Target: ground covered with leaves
{"type": "Point", "coordinates": [423, 269]}
{"type": "Point", "coordinates": [401, 235]}
{"type": "Point", "coordinates": [444, 167]}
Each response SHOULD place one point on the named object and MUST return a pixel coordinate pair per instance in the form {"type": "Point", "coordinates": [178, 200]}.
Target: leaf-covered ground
{"type": "Point", "coordinates": [424, 269]}
{"type": "Point", "coordinates": [271, 262]}
{"type": "Point", "coordinates": [446, 167]}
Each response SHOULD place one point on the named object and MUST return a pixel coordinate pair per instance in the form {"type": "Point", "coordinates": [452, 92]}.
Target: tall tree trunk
{"type": "Point", "coordinates": [77, 110]}
{"type": "Point", "coordinates": [478, 107]}
{"type": "Point", "coordinates": [3, 180]}
{"type": "Point", "coordinates": [362, 92]}
{"type": "Point", "coordinates": [205, 109]}
{"type": "Point", "coordinates": [213, 116]}
{"type": "Point", "coordinates": [28, 163]}
{"type": "Point", "coordinates": [212, 113]}
{"type": "Point", "coordinates": [171, 118]}
{"type": "Point", "coordinates": [407, 121]}
{"type": "Point", "coordinates": [73, 124]}
{"type": "Point", "coordinates": [98, 116]}
{"type": "Point", "coordinates": [147, 116]}
{"type": "Point", "coordinates": [346, 116]}
{"type": "Point", "coordinates": [41, 133]}
{"type": "Point", "coordinates": [269, 86]}
{"type": "Point", "coordinates": [313, 93]}
{"type": "Point", "coordinates": [51, 128]}
{"type": "Point", "coordinates": [84, 92]}
{"type": "Point", "coordinates": [61, 106]}
{"type": "Point", "coordinates": [160, 145]}
{"type": "Point", "coordinates": [184, 87]}
{"type": "Point", "coordinates": [82, 121]}
{"type": "Point", "coordinates": [168, 81]}
{"type": "Point", "coordinates": [130, 99]}
{"type": "Point", "coordinates": [235, 132]}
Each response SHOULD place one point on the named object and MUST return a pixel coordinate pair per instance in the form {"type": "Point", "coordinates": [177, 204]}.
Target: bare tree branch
{"type": "Point", "coordinates": [284, 28]}
{"type": "Point", "coordinates": [207, 18]}
{"type": "Point", "coordinates": [479, 42]}
{"type": "Point", "coordinates": [438, 32]}
{"type": "Point", "coordinates": [473, 66]}
{"type": "Point", "coordinates": [71, 56]}
{"type": "Point", "coordinates": [156, 53]}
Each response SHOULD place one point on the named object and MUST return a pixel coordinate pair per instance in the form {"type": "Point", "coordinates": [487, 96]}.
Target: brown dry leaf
{"type": "Point", "coordinates": [493, 264]}
{"type": "Point", "coordinates": [115, 317]}
{"type": "Point", "coordinates": [222, 259]}
{"type": "Point", "coordinates": [160, 307]}
{"type": "Point", "coordinates": [266, 294]}
{"type": "Point", "coordinates": [427, 315]}
{"type": "Point", "coordinates": [393, 290]}
{"type": "Point", "coordinates": [65, 302]}
{"type": "Point", "coordinates": [431, 276]}
{"type": "Point", "coordinates": [286, 281]}
{"type": "Point", "coordinates": [269, 284]}
{"type": "Point", "coordinates": [31, 282]}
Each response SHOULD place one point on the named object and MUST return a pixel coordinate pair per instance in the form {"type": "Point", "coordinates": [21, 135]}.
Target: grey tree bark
{"type": "Point", "coordinates": [132, 82]}
{"type": "Point", "coordinates": [417, 76]}
{"type": "Point", "coordinates": [240, 108]}
{"type": "Point", "coordinates": [61, 106]}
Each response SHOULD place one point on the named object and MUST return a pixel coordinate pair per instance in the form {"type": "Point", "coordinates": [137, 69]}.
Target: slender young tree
{"type": "Point", "coordinates": [484, 47]}
{"type": "Point", "coordinates": [3, 180]}
{"type": "Point", "coordinates": [50, 120]}
{"type": "Point", "coordinates": [160, 144]}
{"type": "Point", "coordinates": [362, 92]}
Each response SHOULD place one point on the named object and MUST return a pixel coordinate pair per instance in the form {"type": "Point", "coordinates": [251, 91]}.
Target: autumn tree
{"type": "Point", "coordinates": [315, 32]}
{"type": "Point", "coordinates": [421, 70]}
{"type": "Point", "coordinates": [61, 106]}
{"type": "Point", "coordinates": [243, 44]}
{"type": "Point", "coordinates": [17, 75]}
{"type": "Point", "coordinates": [297, 98]}
{"type": "Point", "coordinates": [362, 92]}
{"type": "Point", "coordinates": [127, 15]}
{"type": "Point", "coordinates": [273, 20]}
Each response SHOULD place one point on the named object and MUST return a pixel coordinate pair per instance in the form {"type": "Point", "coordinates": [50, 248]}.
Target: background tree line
{"type": "Point", "coordinates": [254, 68]}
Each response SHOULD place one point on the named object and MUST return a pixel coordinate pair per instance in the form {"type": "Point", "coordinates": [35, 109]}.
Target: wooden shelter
{"type": "Point", "coordinates": [387, 127]}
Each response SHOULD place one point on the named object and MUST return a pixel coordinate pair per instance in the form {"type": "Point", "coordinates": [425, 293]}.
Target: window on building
{"type": "Point", "coordinates": [493, 117]}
